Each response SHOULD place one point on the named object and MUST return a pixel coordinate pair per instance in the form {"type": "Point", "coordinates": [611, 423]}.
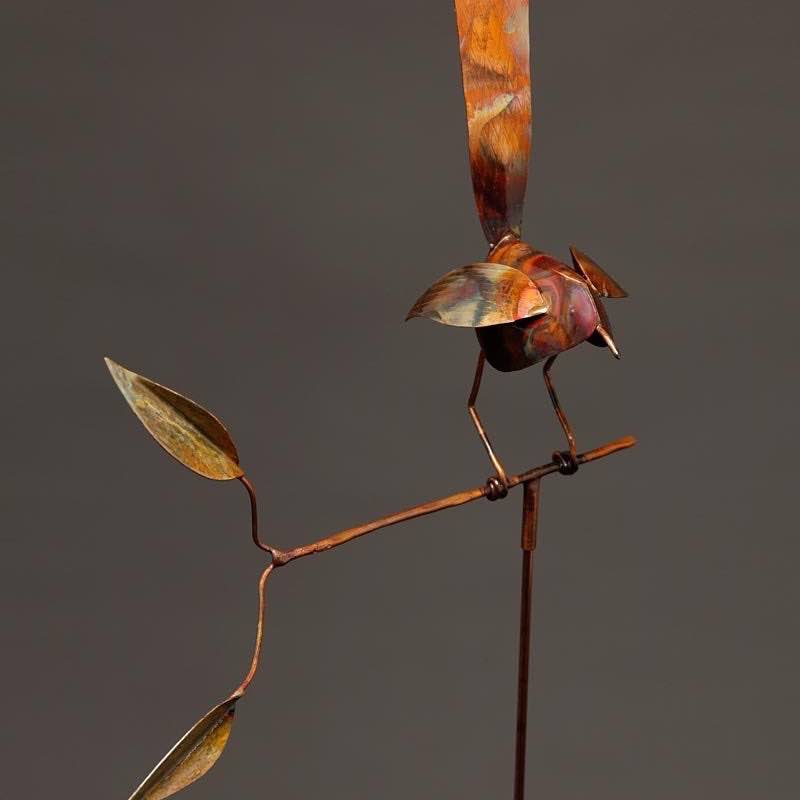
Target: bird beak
{"type": "Point", "coordinates": [608, 340]}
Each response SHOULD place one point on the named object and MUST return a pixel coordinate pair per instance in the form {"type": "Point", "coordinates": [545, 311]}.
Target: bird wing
{"type": "Point", "coordinates": [478, 295]}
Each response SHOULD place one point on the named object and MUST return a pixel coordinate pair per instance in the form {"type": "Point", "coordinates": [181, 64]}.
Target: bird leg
{"type": "Point", "coordinates": [498, 485]}
{"type": "Point", "coordinates": [568, 460]}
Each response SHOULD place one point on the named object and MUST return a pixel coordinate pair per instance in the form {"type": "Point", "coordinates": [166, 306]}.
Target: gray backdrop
{"type": "Point", "coordinates": [242, 200]}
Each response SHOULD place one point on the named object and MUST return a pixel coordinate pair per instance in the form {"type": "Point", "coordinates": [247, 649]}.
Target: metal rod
{"type": "Point", "coordinates": [530, 519]}
{"type": "Point", "coordinates": [282, 557]}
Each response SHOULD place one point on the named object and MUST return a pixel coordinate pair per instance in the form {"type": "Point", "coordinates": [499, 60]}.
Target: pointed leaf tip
{"type": "Point", "coordinates": [194, 755]}
{"type": "Point", "coordinates": [188, 432]}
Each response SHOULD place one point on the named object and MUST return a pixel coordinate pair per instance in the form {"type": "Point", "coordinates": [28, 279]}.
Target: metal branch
{"type": "Point", "coordinates": [450, 501]}
{"type": "Point", "coordinates": [262, 585]}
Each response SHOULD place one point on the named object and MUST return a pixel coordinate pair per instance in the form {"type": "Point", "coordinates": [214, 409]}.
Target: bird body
{"type": "Point", "coordinates": [524, 305]}
{"type": "Point", "coordinates": [573, 311]}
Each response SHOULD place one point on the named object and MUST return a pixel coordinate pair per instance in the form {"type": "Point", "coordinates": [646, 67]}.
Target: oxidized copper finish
{"type": "Point", "coordinates": [523, 318]}
{"type": "Point", "coordinates": [480, 294]}
{"type": "Point", "coordinates": [572, 311]}
{"type": "Point", "coordinates": [493, 39]}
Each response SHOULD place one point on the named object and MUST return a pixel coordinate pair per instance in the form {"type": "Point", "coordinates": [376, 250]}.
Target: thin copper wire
{"type": "Point", "coordinates": [251, 493]}
{"type": "Point", "coordinates": [496, 492]}
{"type": "Point", "coordinates": [562, 417]}
{"type": "Point", "coordinates": [262, 583]}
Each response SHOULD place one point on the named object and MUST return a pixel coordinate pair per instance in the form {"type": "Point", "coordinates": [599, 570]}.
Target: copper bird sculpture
{"type": "Point", "coordinates": [524, 305]}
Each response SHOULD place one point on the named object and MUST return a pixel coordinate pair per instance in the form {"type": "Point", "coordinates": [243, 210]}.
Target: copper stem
{"type": "Point", "coordinates": [262, 584]}
{"type": "Point", "coordinates": [530, 519]}
{"type": "Point", "coordinates": [251, 494]}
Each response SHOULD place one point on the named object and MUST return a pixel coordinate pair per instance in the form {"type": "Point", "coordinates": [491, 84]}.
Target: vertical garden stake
{"type": "Point", "coordinates": [525, 306]}
{"type": "Point", "coordinates": [530, 522]}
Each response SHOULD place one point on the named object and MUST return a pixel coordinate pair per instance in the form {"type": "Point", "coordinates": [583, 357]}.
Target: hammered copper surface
{"type": "Point", "coordinates": [478, 295]}
{"type": "Point", "coordinates": [184, 429]}
{"type": "Point", "coordinates": [572, 313]}
{"type": "Point", "coordinates": [494, 41]}
{"type": "Point", "coordinates": [194, 754]}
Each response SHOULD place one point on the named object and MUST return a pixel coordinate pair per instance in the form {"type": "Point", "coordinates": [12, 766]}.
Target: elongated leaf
{"type": "Point", "coordinates": [184, 429]}
{"type": "Point", "coordinates": [478, 295]}
{"type": "Point", "coordinates": [193, 756]}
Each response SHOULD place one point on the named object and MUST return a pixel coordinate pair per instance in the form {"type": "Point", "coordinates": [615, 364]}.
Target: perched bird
{"type": "Point", "coordinates": [525, 305]}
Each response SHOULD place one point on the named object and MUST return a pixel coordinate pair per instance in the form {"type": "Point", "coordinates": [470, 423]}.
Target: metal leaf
{"type": "Point", "coordinates": [478, 295]}
{"type": "Point", "coordinates": [184, 429]}
{"type": "Point", "coordinates": [194, 755]}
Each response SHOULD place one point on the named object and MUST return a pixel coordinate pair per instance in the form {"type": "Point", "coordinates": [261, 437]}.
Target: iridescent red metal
{"type": "Point", "coordinates": [517, 324]}
{"type": "Point", "coordinates": [572, 316]}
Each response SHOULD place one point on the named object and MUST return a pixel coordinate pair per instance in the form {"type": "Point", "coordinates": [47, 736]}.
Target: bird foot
{"type": "Point", "coordinates": [496, 488]}
{"type": "Point", "coordinates": [567, 462]}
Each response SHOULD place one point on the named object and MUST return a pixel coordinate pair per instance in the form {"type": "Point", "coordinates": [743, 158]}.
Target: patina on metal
{"type": "Point", "coordinates": [184, 429]}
